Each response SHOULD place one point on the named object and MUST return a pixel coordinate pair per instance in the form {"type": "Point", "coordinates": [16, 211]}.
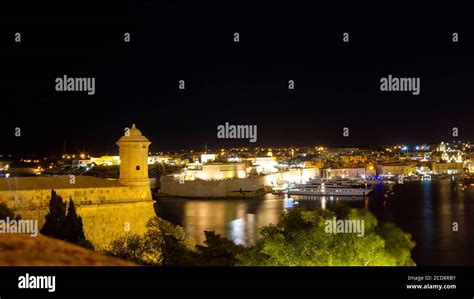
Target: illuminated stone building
{"type": "Point", "coordinates": [346, 172]}
{"type": "Point", "coordinates": [396, 168]}
{"type": "Point", "coordinates": [447, 167]}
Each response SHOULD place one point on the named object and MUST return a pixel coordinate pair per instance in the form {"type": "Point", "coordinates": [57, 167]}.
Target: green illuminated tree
{"type": "Point", "coordinates": [300, 239]}
{"type": "Point", "coordinates": [131, 247]}
{"type": "Point", "coordinates": [163, 244]}
{"type": "Point", "coordinates": [168, 241]}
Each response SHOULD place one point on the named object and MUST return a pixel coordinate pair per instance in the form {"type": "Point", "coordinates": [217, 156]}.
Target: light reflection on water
{"type": "Point", "coordinates": [426, 209]}
{"type": "Point", "coordinates": [237, 219]}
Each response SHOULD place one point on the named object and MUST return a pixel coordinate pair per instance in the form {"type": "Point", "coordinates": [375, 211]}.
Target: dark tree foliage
{"type": "Point", "coordinates": [64, 225]}
{"type": "Point", "coordinates": [219, 251]}
{"type": "Point", "coordinates": [6, 212]}
{"type": "Point", "coordinates": [56, 218]}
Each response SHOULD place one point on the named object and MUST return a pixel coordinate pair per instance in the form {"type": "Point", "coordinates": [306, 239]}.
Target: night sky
{"type": "Point", "coordinates": [336, 84]}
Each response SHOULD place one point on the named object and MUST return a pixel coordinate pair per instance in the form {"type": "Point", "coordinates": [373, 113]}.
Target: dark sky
{"type": "Point", "coordinates": [336, 84]}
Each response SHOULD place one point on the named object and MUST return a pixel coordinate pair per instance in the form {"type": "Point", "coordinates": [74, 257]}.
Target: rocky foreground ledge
{"type": "Point", "coordinates": [24, 250]}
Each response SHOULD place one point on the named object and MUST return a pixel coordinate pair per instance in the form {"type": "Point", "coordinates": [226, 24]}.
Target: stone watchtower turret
{"type": "Point", "coordinates": [133, 151]}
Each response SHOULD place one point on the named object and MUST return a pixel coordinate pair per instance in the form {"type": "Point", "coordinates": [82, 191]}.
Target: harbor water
{"type": "Point", "coordinates": [428, 210]}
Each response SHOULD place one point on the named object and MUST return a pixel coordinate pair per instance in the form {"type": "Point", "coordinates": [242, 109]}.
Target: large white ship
{"type": "Point", "coordinates": [335, 187]}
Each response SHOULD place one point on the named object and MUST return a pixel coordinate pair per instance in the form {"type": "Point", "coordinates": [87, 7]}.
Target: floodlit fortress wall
{"type": "Point", "coordinates": [236, 187]}
{"type": "Point", "coordinates": [219, 188]}
{"type": "Point", "coordinates": [104, 223]}
{"type": "Point", "coordinates": [109, 208]}
{"type": "Point", "coordinates": [35, 192]}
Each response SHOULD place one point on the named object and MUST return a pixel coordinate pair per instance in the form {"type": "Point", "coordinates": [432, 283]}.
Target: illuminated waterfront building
{"type": "Point", "coordinates": [396, 168]}
{"type": "Point", "coordinates": [447, 167]}
{"type": "Point", "coordinates": [350, 172]}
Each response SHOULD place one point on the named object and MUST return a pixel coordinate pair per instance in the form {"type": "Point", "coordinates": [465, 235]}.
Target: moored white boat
{"type": "Point", "coordinates": [338, 187]}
